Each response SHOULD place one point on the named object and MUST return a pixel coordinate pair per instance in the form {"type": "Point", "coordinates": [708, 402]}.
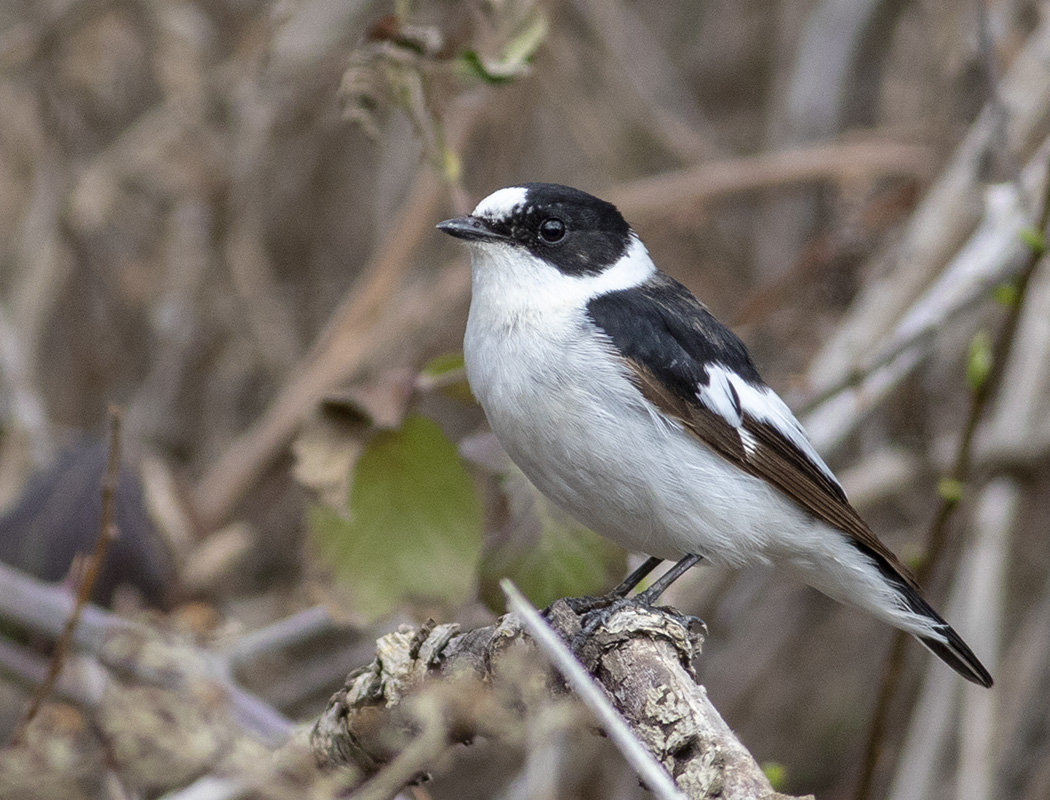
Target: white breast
{"type": "Point", "coordinates": [564, 408]}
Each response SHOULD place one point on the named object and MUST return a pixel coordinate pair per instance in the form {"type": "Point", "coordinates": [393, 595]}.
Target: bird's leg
{"type": "Point", "coordinates": [598, 615]}
{"type": "Point", "coordinates": [585, 605]}
{"type": "Point", "coordinates": [652, 594]}
{"type": "Point", "coordinates": [636, 577]}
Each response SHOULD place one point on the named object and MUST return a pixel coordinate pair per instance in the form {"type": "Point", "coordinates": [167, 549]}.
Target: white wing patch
{"type": "Point", "coordinates": [748, 440]}
{"type": "Point", "coordinates": [720, 396]}
{"type": "Point", "coordinates": [731, 397]}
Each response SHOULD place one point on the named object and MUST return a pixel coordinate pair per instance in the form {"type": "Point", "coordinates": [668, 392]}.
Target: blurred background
{"type": "Point", "coordinates": [218, 215]}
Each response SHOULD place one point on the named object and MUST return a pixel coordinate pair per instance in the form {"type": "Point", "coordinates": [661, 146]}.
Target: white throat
{"type": "Point", "coordinates": [509, 277]}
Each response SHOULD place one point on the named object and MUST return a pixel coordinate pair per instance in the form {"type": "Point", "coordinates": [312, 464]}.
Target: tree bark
{"type": "Point", "coordinates": [642, 657]}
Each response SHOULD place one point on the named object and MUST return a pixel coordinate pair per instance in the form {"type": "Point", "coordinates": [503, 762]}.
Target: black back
{"type": "Point", "coordinates": [678, 341]}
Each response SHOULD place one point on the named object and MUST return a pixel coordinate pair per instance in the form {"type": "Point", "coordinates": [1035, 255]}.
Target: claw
{"type": "Point", "coordinates": [596, 616]}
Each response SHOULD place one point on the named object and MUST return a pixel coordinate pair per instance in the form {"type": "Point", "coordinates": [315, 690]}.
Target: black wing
{"type": "Point", "coordinates": [695, 370]}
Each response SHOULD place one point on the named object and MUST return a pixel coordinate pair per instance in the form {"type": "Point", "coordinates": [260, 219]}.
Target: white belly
{"type": "Point", "coordinates": [588, 440]}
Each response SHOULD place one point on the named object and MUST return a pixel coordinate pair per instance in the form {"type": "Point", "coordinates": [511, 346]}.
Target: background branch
{"type": "Point", "coordinates": [107, 532]}
{"type": "Point", "coordinates": [120, 643]}
{"type": "Point", "coordinates": [981, 395]}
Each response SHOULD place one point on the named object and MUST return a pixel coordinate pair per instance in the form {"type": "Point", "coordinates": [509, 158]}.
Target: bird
{"type": "Point", "coordinates": [629, 405]}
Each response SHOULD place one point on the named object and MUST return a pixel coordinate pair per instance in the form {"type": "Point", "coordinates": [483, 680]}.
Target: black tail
{"type": "Point", "coordinates": [957, 655]}
{"type": "Point", "coordinates": [955, 652]}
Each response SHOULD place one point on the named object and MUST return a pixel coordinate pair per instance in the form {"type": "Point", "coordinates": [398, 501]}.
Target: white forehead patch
{"type": "Point", "coordinates": [501, 204]}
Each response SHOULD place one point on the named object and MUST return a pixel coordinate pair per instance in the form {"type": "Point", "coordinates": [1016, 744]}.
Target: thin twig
{"type": "Point", "coordinates": [947, 216]}
{"type": "Point", "coordinates": [994, 521]}
{"type": "Point", "coordinates": [83, 685]}
{"type": "Point", "coordinates": [999, 148]}
{"type": "Point", "coordinates": [347, 341]}
{"type": "Point", "coordinates": [40, 607]}
{"type": "Point", "coordinates": [640, 759]}
{"type": "Point", "coordinates": [937, 539]}
{"type": "Point", "coordinates": [285, 633]}
{"type": "Point", "coordinates": [991, 255]}
{"type": "Point", "coordinates": [44, 608]}
{"type": "Point", "coordinates": [107, 533]}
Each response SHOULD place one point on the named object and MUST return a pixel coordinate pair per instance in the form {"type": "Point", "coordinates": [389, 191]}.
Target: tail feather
{"type": "Point", "coordinates": [943, 642]}
{"type": "Point", "coordinates": [958, 656]}
{"type": "Point", "coordinates": [952, 650]}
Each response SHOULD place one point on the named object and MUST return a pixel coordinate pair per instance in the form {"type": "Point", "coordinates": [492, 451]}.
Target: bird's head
{"type": "Point", "coordinates": [547, 235]}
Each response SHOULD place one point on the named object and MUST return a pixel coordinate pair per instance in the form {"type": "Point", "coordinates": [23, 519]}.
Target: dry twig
{"type": "Point", "coordinates": [946, 217]}
{"type": "Point", "coordinates": [107, 533]}
{"type": "Point", "coordinates": [823, 161]}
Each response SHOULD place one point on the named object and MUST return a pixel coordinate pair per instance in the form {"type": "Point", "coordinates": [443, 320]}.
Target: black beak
{"type": "Point", "coordinates": [473, 229]}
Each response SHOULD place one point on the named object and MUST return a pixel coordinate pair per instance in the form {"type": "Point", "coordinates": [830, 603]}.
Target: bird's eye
{"type": "Point", "coordinates": [552, 230]}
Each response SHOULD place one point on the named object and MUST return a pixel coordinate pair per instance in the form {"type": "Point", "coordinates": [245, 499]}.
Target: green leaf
{"type": "Point", "coordinates": [776, 773]}
{"type": "Point", "coordinates": [443, 364]}
{"type": "Point", "coordinates": [979, 360]}
{"type": "Point", "coordinates": [415, 523]}
{"type": "Point", "coordinates": [521, 47]}
{"type": "Point", "coordinates": [1006, 294]}
{"type": "Point", "coordinates": [474, 67]}
{"type": "Point", "coordinates": [951, 489]}
{"type": "Point", "coordinates": [549, 555]}
{"type": "Point", "coordinates": [522, 38]}
{"type": "Point", "coordinates": [1034, 239]}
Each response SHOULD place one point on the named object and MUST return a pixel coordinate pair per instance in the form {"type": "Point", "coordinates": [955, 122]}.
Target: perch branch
{"type": "Point", "coordinates": [640, 759]}
{"type": "Point", "coordinates": [641, 658]}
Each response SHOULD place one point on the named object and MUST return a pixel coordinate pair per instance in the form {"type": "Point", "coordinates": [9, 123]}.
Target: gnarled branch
{"type": "Point", "coordinates": [642, 657]}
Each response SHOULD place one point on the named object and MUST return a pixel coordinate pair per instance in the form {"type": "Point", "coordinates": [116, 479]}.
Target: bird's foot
{"type": "Point", "coordinates": [596, 612]}
{"type": "Point", "coordinates": [582, 606]}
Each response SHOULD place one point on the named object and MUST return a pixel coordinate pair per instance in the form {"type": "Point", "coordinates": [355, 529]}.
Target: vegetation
{"type": "Point", "coordinates": [217, 215]}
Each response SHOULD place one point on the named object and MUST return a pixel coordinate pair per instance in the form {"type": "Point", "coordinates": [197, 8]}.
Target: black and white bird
{"type": "Point", "coordinates": [628, 404]}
